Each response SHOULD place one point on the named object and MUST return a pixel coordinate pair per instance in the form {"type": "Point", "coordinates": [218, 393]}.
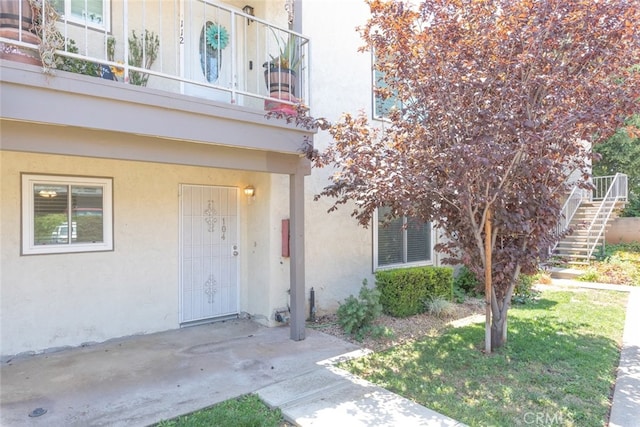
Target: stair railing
{"type": "Point", "coordinates": [569, 209]}
{"type": "Point", "coordinates": [617, 191]}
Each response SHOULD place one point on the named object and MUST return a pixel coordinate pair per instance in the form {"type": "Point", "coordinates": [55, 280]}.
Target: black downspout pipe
{"type": "Point", "coordinates": [312, 305]}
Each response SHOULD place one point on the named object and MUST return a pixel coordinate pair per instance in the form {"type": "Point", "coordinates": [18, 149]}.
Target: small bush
{"type": "Point", "coordinates": [590, 275]}
{"type": "Point", "coordinates": [439, 307]}
{"type": "Point", "coordinates": [524, 292]}
{"type": "Point", "coordinates": [465, 284]}
{"type": "Point", "coordinates": [459, 295]}
{"type": "Point", "coordinates": [466, 281]}
{"type": "Point", "coordinates": [403, 291]}
{"type": "Point", "coordinates": [356, 315]}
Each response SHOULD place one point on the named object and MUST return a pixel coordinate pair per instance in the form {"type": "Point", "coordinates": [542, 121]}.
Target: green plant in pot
{"type": "Point", "coordinates": [143, 51]}
{"type": "Point", "coordinates": [281, 71]}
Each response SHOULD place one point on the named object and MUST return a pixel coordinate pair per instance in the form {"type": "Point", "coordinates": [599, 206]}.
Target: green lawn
{"type": "Point", "coordinates": [245, 411]}
{"type": "Point", "coordinates": [558, 367]}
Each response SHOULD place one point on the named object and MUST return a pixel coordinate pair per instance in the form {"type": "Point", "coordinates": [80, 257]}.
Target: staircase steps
{"type": "Point", "coordinates": [575, 247]}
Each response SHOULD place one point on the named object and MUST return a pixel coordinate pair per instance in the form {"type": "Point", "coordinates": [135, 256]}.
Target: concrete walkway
{"type": "Point", "coordinates": [333, 397]}
{"type": "Point", "coordinates": [626, 397]}
{"type": "Point", "coordinates": [137, 381]}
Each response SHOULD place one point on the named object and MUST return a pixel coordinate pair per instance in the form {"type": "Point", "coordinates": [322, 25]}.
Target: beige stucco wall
{"type": "Point", "coordinates": [623, 230]}
{"type": "Point", "coordinates": [339, 251]}
{"type": "Point", "coordinates": [50, 301]}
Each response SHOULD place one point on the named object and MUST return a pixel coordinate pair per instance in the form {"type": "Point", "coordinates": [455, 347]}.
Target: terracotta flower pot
{"type": "Point", "coordinates": [18, 22]}
{"type": "Point", "coordinates": [280, 81]}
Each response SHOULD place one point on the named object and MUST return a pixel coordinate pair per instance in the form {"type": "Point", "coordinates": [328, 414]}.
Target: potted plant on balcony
{"type": "Point", "coordinates": [20, 20]}
{"type": "Point", "coordinates": [143, 51]}
{"type": "Point", "coordinates": [281, 73]}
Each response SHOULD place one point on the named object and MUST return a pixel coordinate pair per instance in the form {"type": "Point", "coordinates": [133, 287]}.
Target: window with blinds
{"type": "Point", "coordinates": [66, 214]}
{"type": "Point", "coordinates": [401, 242]}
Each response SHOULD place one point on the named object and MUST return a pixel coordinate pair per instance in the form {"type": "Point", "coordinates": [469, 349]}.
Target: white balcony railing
{"type": "Point", "coordinates": [190, 47]}
{"type": "Point", "coordinates": [609, 187]}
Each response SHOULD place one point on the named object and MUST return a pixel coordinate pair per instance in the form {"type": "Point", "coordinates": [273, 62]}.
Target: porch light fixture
{"type": "Point", "coordinates": [249, 11]}
{"type": "Point", "coordinates": [249, 191]}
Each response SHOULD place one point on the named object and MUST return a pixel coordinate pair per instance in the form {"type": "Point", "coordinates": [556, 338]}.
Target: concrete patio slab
{"type": "Point", "coordinates": [139, 380]}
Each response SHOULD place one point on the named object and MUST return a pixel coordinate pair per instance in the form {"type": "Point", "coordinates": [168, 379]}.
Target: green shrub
{"type": "Point", "coordinates": [465, 283]}
{"type": "Point", "coordinates": [524, 291]}
{"type": "Point", "coordinates": [356, 315]}
{"type": "Point", "coordinates": [468, 284]}
{"type": "Point", "coordinates": [459, 295]}
{"type": "Point", "coordinates": [403, 291]}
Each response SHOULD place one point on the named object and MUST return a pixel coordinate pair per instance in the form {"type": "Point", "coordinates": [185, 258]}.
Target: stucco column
{"type": "Point", "coordinates": [296, 245]}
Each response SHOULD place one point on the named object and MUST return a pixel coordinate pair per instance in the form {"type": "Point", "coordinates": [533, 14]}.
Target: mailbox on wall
{"type": "Point", "coordinates": [285, 238]}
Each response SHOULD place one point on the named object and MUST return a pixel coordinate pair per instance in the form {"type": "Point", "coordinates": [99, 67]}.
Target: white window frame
{"type": "Point", "coordinates": [383, 116]}
{"type": "Point", "coordinates": [106, 16]}
{"type": "Point", "coordinates": [377, 267]}
{"type": "Point", "coordinates": [28, 214]}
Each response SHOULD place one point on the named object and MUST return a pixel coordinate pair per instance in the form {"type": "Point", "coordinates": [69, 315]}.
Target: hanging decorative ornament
{"type": "Point", "coordinates": [217, 36]}
{"type": "Point", "coordinates": [213, 39]}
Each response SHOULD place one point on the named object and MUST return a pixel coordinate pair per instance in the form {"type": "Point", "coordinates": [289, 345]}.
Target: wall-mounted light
{"type": "Point", "coordinates": [250, 192]}
{"type": "Point", "coordinates": [249, 11]}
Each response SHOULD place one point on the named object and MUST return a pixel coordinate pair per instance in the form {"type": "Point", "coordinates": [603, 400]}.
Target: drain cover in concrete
{"type": "Point", "coordinates": [37, 412]}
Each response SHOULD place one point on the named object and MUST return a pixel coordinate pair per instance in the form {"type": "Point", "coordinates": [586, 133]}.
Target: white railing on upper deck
{"type": "Point", "coordinates": [614, 186]}
{"type": "Point", "coordinates": [228, 65]}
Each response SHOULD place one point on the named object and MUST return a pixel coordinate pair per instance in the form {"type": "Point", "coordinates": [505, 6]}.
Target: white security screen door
{"type": "Point", "coordinates": [209, 252]}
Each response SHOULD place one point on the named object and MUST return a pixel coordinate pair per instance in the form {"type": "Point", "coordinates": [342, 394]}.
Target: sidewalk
{"type": "Point", "coordinates": [625, 406]}
{"type": "Point", "coordinates": [332, 397]}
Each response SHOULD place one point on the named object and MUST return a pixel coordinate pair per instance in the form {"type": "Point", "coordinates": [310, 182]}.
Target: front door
{"type": "Point", "coordinates": [209, 252]}
{"type": "Point", "coordinates": [211, 46]}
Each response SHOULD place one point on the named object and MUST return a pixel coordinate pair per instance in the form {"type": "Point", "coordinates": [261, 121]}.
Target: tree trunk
{"type": "Point", "coordinates": [498, 331]}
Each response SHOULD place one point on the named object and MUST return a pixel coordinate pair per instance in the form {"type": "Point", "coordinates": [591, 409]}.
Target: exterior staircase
{"type": "Point", "coordinates": [587, 215]}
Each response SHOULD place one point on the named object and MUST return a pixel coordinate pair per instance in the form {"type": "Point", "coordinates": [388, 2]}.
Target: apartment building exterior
{"type": "Point", "coordinates": [138, 197]}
